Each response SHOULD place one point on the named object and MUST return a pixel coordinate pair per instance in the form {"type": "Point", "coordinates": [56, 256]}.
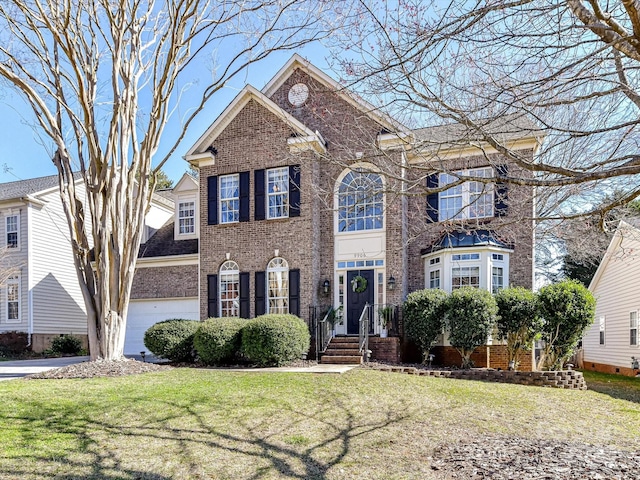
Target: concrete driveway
{"type": "Point", "coordinates": [21, 368]}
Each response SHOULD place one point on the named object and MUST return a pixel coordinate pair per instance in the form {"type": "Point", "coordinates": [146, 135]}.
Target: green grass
{"type": "Point", "coordinates": [188, 423]}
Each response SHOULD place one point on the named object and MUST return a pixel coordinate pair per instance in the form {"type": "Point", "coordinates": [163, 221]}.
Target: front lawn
{"type": "Point", "coordinates": [189, 423]}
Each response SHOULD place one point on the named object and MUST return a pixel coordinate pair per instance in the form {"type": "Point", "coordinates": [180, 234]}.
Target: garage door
{"type": "Point", "coordinates": [144, 313]}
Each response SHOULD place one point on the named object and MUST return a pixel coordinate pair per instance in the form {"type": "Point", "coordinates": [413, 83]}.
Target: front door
{"type": "Point", "coordinates": [358, 296]}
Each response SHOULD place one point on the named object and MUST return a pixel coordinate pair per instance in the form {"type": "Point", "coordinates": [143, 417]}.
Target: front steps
{"type": "Point", "coordinates": [342, 351]}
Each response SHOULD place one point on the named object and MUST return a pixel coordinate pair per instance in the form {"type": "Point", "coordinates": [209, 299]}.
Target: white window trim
{"type": "Point", "coordinates": [466, 205]}
{"type": "Point", "coordinates": [187, 203]}
{"type": "Point", "coordinates": [17, 280]}
{"type": "Point", "coordinates": [285, 271]}
{"type": "Point", "coordinates": [226, 272]}
{"type": "Point", "coordinates": [196, 217]}
{"type": "Point", "coordinates": [602, 331]}
{"type": "Point", "coordinates": [367, 168]}
{"type": "Point", "coordinates": [269, 194]}
{"type": "Point", "coordinates": [6, 232]}
{"type": "Point", "coordinates": [636, 329]}
{"type": "Point", "coordinates": [486, 264]}
{"type": "Point", "coordinates": [220, 199]}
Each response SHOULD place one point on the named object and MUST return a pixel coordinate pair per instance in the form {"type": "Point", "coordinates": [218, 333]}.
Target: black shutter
{"type": "Point", "coordinates": [259, 194]}
{"type": "Point", "coordinates": [244, 196]}
{"type": "Point", "coordinates": [261, 292]}
{"type": "Point", "coordinates": [501, 193]}
{"type": "Point", "coordinates": [294, 191]}
{"type": "Point", "coordinates": [212, 200]}
{"type": "Point", "coordinates": [294, 292]}
{"type": "Point", "coordinates": [244, 295]}
{"type": "Point", "coordinates": [212, 295]}
{"type": "Point", "coordinates": [432, 199]}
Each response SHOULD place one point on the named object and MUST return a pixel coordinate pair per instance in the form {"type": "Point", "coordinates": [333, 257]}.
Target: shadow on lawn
{"type": "Point", "coordinates": [98, 452]}
{"type": "Point", "coordinates": [622, 388]}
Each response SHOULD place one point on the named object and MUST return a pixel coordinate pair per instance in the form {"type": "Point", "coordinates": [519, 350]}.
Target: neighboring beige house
{"type": "Point", "coordinates": [43, 299]}
{"type": "Point", "coordinates": [612, 340]}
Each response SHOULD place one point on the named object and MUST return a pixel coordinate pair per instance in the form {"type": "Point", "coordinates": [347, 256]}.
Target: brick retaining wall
{"type": "Point", "coordinates": [569, 379]}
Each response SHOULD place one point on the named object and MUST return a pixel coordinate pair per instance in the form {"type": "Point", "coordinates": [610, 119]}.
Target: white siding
{"type": "Point", "coordinates": [617, 292]}
{"type": "Point", "coordinates": [58, 306]}
{"type": "Point", "coordinates": [15, 257]}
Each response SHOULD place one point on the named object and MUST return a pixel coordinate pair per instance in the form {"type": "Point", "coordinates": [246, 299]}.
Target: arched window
{"type": "Point", "coordinates": [278, 286]}
{"type": "Point", "coordinates": [229, 289]}
{"type": "Point", "coordinates": [360, 202]}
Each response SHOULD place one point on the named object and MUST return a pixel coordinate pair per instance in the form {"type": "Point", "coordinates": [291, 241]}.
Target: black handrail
{"type": "Point", "coordinates": [364, 323]}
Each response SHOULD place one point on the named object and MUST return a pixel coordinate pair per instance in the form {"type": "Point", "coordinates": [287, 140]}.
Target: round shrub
{"type": "Point", "coordinates": [471, 315]}
{"type": "Point", "coordinates": [423, 314]}
{"type": "Point", "coordinates": [218, 340]}
{"type": "Point", "coordinates": [172, 339]}
{"type": "Point", "coordinates": [66, 345]}
{"type": "Point", "coordinates": [274, 340]}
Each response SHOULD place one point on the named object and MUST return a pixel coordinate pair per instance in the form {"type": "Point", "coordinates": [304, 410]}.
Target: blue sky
{"type": "Point", "coordinates": [24, 154]}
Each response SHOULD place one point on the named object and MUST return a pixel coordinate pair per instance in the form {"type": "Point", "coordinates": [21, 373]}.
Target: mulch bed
{"type": "Point", "coordinates": [523, 459]}
{"type": "Point", "coordinates": [100, 368]}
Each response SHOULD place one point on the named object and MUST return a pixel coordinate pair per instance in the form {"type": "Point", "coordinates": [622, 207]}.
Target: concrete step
{"type": "Point", "coordinates": [342, 351]}
{"type": "Point", "coordinates": [341, 359]}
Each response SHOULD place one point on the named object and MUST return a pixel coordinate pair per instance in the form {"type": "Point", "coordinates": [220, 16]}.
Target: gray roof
{"type": "Point", "coordinates": [22, 188]}
{"type": "Point", "coordinates": [462, 239]}
{"type": "Point", "coordinates": [506, 128]}
{"type": "Point", "coordinates": [163, 244]}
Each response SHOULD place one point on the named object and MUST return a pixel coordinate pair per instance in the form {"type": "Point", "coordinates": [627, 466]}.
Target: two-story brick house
{"type": "Point", "coordinates": [308, 196]}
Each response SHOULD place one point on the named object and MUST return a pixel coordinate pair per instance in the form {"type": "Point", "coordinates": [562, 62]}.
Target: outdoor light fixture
{"type": "Point", "coordinates": [391, 283]}
{"type": "Point", "coordinates": [325, 287]}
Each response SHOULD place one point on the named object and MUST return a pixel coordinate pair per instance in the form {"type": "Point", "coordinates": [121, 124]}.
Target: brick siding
{"type": "Point", "coordinates": [165, 282]}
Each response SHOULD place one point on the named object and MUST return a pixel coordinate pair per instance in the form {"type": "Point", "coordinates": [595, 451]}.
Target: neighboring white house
{"type": "Point", "coordinates": [612, 340]}
{"type": "Point", "coordinates": [43, 299]}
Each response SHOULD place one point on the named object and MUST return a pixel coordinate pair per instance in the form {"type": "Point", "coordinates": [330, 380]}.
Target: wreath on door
{"type": "Point", "coordinates": [359, 284]}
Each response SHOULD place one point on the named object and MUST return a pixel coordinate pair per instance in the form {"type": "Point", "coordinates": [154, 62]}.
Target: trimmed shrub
{"type": "Point", "coordinates": [218, 340]}
{"type": "Point", "coordinates": [423, 313]}
{"type": "Point", "coordinates": [518, 320]}
{"type": "Point", "coordinates": [13, 343]}
{"type": "Point", "coordinates": [471, 315]}
{"type": "Point", "coordinates": [274, 340]}
{"type": "Point", "coordinates": [172, 339]}
{"type": "Point", "coordinates": [65, 345]}
{"type": "Point", "coordinates": [568, 309]}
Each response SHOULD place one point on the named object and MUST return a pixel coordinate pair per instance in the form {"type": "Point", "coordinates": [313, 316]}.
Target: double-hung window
{"type": "Point", "coordinates": [187, 218]}
{"type": "Point", "coordinates": [465, 277]}
{"type": "Point", "coordinates": [468, 200]}
{"type": "Point", "coordinates": [230, 198]}
{"type": "Point", "coordinates": [229, 289]}
{"type": "Point", "coordinates": [633, 328]}
{"type": "Point", "coordinates": [13, 298]}
{"type": "Point", "coordinates": [278, 192]}
{"type": "Point", "coordinates": [12, 224]}
{"type": "Point", "coordinates": [278, 286]}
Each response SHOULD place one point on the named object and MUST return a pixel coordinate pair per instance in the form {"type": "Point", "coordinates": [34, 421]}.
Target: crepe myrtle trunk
{"type": "Point", "coordinates": [118, 205]}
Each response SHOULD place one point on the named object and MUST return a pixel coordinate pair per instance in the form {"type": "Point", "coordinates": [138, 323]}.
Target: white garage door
{"type": "Point", "coordinates": [144, 313]}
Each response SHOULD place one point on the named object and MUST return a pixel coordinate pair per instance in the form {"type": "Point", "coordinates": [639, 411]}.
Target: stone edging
{"type": "Point", "coordinates": [556, 379]}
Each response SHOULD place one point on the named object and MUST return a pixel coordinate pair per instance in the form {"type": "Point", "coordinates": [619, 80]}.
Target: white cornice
{"type": "Point", "coordinates": [481, 148]}
{"type": "Point", "coordinates": [168, 261]}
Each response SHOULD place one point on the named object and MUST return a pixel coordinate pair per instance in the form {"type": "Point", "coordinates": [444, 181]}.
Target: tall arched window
{"type": "Point", "coordinates": [360, 202]}
{"type": "Point", "coordinates": [229, 289]}
{"type": "Point", "coordinates": [278, 286]}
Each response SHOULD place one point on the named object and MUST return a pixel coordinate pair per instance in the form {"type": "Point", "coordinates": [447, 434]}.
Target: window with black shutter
{"type": "Point", "coordinates": [294, 291]}
{"type": "Point", "coordinates": [501, 206]}
{"type": "Point", "coordinates": [244, 295]}
{"type": "Point", "coordinates": [259, 194]}
{"type": "Point", "coordinates": [244, 196]}
{"type": "Point", "coordinates": [294, 191]}
{"type": "Point", "coordinates": [212, 296]}
{"type": "Point", "coordinates": [432, 199]}
{"type": "Point", "coordinates": [261, 291]}
{"type": "Point", "coordinates": [212, 200]}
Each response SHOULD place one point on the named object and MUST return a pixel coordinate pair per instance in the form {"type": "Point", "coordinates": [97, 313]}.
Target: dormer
{"type": "Point", "coordinates": [185, 195]}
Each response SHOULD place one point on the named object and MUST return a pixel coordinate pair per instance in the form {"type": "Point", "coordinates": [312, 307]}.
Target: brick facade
{"type": "Point", "coordinates": [604, 368]}
{"type": "Point", "coordinates": [487, 356]}
{"type": "Point", "coordinates": [165, 282]}
{"type": "Point", "coordinates": [254, 136]}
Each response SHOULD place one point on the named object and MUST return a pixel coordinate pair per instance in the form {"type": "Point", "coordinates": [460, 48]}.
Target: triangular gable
{"type": "Point", "coordinates": [297, 62]}
{"type": "Point", "coordinates": [611, 250]}
{"type": "Point", "coordinates": [186, 184]}
{"type": "Point", "coordinates": [200, 152]}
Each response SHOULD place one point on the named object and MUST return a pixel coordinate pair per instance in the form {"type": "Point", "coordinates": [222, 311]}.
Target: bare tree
{"type": "Point", "coordinates": [566, 72]}
{"type": "Point", "coordinates": [8, 268]}
{"type": "Point", "coordinates": [103, 78]}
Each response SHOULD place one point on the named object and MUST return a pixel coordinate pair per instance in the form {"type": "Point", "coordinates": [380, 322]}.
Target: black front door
{"type": "Point", "coordinates": [357, 300]}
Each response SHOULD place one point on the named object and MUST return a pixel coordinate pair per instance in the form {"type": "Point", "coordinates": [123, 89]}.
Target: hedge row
{"type": "Point", "coordinates": [268, 340]}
